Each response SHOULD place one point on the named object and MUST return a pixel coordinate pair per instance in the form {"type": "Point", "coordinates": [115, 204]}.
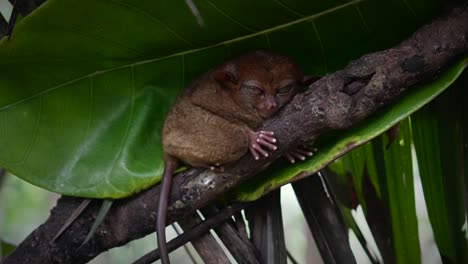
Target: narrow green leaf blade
{"type": "Point", "coordinates": [440, 141]}
{"type": "Point", "coordinates": [392, 214]}
{"type": "Point", "coordinates": [84, 204]}
{"type": "Point", "coordinates": [106, 205]}
{"type": "Point", "coordinates": [400, 197]}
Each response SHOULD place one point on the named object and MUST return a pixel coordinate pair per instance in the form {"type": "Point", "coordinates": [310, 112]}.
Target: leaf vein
{"type": "Point", "coordinates": [322, 48]}
{"type": "Point", "coordinates": [284, 6]}
{"type": "Point", "coordinates": [166, 27]}
{"type": "Point", "coordinates": [127, 130]}
{"type": "Point", "coordinates": [364, 22]}
{"type": "Point", "coordinates": [267, 36]}
{"type": "Point", "coordinates": [230, 17]}
{"type": "Point", "coordinates": [405, 2]}
{"type": "Point", "coordinates": [35, 133]}
{"type": "Point", "coordinates": [6, 125]}
{"type": "Point", "coordinates": [90, 36]}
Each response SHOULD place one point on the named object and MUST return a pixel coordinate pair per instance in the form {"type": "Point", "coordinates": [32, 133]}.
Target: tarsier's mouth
{"type": "Point", "coordinates": [267, 114]}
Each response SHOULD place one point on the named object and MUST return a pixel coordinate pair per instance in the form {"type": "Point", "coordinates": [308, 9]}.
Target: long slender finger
{"type": "Point", "coordinates": [254, 154]}
{"type": "Point", "coordinates": [308, 146]}
{"type": "Point", "coordinates": [264, 132]}
{"type": "Point", "coordinates": [260, 150]}
{"type": "Point", "coordinates": [297, 155]}
{"type": "Point", "coordinates": [264, 143]}
{"type": "Point", "coordinates": [304, 152]}
{"type": "Point", "coordinates": [269, 138]}
{"type": "Point", "coordinates": [290, 158]}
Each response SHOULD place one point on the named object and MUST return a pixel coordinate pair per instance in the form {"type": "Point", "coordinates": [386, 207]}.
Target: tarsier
{"type": "Point", "coordinates": [214, 121]}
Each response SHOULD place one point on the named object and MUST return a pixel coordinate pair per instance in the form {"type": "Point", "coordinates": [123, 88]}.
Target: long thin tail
{"type": "Point", "coordinates": [170, 164]}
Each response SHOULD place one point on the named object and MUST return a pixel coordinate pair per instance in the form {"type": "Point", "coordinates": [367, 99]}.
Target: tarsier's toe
{"type": "Point", "coordinates": [290, 158]}
{"type": "Point", "coordinates": [301, 152]}
{"type": "Point", "coordinates": [293, 156]}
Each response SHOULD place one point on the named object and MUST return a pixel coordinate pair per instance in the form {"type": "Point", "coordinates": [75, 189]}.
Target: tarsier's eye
{"type": "Point", "coordinates": [253, 89]}
{"type": "Point", "coordinates": [285, 89]}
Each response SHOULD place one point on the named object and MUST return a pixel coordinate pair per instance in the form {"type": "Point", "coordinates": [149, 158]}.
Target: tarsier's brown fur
{"type": "Point", "coordinates": [213, 122]}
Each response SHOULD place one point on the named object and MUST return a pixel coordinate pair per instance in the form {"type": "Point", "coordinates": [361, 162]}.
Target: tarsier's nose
{"type": "Point", "coordinates": [270, 103]}
{"type": "Point", "coordinates": [269, 106]}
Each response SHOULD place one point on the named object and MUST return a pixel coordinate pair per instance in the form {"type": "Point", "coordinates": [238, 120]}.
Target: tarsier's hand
{"type": "Point", "coordinates": [300, 152]}
{"type": "Point", "coordinates": [261, 143]}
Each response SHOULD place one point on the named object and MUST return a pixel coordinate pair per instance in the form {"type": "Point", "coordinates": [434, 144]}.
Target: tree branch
{"type": "Point", "coordinates": [337, 101]}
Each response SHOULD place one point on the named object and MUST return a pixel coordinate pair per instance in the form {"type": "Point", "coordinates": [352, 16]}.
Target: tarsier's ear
{"type": "Point", "coordinates": [226, 75]}
{"type": "Point", "coordinates": [310, 79]}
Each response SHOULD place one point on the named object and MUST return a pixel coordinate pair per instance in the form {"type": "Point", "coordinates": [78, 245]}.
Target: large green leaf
{"type": "Point", "coordinates": [338, 143]}
{"type": "Point", "coordinates": [84, 85]}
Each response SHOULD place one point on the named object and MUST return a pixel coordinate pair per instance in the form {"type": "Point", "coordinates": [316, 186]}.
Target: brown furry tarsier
{"type": "Point", "coordinates": [213, 122]}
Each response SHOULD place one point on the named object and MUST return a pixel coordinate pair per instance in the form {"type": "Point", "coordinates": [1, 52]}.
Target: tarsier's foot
{"type": "Point", "coordinates": [301, 152]}
{"type": "Point", "coordinates": [261, 143]}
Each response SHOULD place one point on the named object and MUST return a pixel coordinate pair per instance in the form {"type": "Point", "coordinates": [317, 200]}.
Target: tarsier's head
{"type": "Point", "coordinates": [261, 82]}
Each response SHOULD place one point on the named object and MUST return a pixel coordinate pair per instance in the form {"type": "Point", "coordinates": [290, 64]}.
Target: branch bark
{"type": "Point", "coordinates": [337, 101]}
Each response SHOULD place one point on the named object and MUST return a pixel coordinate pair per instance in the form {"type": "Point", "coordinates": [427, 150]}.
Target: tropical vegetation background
{"type": "Point", "coordinates": [84, 86]}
